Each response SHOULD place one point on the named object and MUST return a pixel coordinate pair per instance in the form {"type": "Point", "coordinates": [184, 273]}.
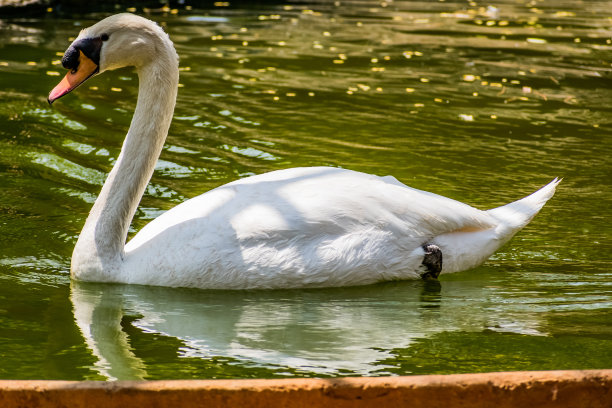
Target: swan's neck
{"type": "Point", "coordinates": [99, 251]}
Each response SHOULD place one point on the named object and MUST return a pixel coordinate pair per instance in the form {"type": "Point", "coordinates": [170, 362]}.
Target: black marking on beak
{"type": "Point", "coordinates": [71, 59]}
{"type": "Point", "coordinates": [89, 46]}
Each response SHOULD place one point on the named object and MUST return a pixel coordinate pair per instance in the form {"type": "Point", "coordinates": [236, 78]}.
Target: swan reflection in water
{"type": "Point", "coordinates": [338, 331]}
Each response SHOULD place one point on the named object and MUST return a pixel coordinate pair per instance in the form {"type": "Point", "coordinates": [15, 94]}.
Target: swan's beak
{"type": "Point", "coordinates": [85, 68]}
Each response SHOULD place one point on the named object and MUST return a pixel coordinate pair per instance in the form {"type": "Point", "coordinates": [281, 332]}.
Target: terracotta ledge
{"type": "Point", "coordinates": [583, 389]}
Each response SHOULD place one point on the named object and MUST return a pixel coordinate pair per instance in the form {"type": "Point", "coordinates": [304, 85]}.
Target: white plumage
{"type": "Point", "coordinates": [301, 227]}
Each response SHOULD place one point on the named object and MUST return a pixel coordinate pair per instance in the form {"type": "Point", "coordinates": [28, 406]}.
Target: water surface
{"type": "Point", "coordinates": [482, 103]}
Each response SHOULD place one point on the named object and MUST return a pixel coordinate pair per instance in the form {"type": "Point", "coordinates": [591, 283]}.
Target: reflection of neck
{"type": "Point", "coordinates": [101, 243]}
{"type": "Point", "coordinates": [98, 312]}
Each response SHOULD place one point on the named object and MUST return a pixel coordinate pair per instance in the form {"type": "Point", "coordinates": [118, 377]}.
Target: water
{"type": "Point", "coordinates": [480, 103]}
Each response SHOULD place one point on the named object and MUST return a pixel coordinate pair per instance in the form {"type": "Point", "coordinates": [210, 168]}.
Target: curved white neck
{"type": "Point", "coordinates": [100, 247]}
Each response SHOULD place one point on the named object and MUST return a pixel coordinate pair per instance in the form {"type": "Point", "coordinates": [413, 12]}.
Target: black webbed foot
{"type": "Point", "coordinates": [432, 261]}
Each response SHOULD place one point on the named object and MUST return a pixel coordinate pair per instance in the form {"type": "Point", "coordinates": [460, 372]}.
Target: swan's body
{"type": "Point", "coordinates": [302, 227]}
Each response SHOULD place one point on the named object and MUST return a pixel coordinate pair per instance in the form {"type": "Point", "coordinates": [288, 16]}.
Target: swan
{"type": "Point", "coordinates": [292, 228]}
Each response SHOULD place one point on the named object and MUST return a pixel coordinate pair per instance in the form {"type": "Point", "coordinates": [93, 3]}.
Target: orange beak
{"type": "Point", "coordinates": [75, 77]}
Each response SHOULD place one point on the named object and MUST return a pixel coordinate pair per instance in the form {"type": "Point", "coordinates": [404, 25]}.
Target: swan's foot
{"type": "Point", "coordinates": [432, 261]}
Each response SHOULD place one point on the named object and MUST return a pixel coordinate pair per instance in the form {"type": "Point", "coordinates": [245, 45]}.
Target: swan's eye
{"type": "Point", "coordinates": [104, 37]}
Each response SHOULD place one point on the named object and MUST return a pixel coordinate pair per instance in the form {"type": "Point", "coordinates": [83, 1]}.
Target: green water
{"type": "Point", "coordinates": [481, 104]}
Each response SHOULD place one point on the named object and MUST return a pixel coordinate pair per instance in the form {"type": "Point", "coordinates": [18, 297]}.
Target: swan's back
{"type": "Point", "coordinates": [299, 227]}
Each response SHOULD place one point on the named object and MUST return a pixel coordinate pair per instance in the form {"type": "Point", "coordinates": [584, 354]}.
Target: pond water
{"type": "Point", "coordinates": [480, 102]}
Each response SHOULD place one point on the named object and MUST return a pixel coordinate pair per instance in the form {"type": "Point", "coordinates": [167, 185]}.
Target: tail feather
{"type": "Point", "coordinates": [467, 249]}
{"type": "Point", "coordinates": [518, 214]}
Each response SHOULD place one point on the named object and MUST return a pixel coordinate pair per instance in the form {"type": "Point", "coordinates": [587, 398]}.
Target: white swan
{"type": "Point", "coordinates": [300, 227]}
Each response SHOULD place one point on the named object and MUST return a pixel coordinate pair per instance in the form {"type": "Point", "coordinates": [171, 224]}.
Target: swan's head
{"type": "Point", "coordinates": [117, 41]}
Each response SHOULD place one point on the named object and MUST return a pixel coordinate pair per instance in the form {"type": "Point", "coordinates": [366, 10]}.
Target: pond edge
{"type": "Point", "coordinates": [574, 388]}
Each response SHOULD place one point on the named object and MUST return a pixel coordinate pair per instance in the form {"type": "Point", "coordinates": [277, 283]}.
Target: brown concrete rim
{"type": "Point", "coordinates": [580, 388]}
